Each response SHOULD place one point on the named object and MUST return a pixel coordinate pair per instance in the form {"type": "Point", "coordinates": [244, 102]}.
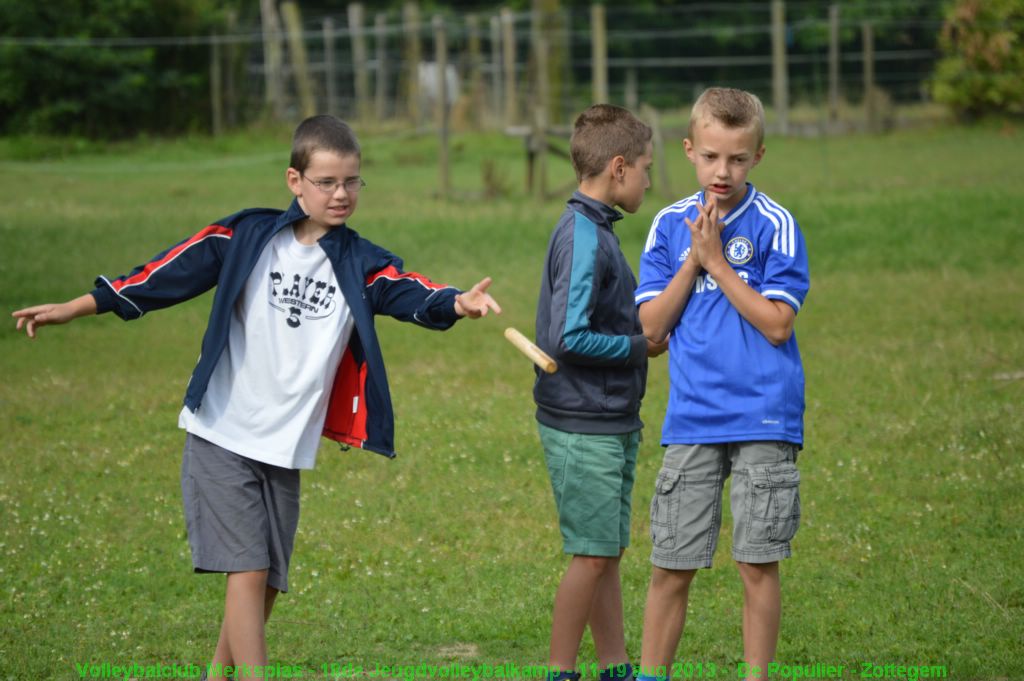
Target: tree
{"type": "Point", "coordinates": [82, 76]}
{"type": "Point", "coordinates": [983, 70]}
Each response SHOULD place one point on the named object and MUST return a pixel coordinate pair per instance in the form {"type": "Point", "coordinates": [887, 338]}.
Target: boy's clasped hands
{"type": "Point", "coordinates": [706, 234]}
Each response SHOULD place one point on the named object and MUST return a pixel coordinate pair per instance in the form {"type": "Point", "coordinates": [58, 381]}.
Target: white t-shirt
{"type": "Point", "coordinates": [268, 394]}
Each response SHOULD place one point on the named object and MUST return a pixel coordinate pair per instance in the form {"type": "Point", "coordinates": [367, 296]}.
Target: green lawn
{"type": "Point", "coordinates": [912, 338]}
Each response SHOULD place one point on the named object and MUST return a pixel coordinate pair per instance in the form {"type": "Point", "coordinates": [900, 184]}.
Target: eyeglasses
{"type": "Point", "coordinates": [352, 185]}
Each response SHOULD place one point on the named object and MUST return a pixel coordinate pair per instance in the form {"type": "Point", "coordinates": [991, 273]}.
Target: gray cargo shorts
{"type": "Point", "coordinates": [686, 511]}
{"type": "Point", "coordinates": [241, 514]}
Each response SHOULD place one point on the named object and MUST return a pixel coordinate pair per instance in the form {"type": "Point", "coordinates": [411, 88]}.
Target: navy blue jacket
{"type": "Point", "coordinates": [587, 320]}
{"type": "Point", "coordinates": [223, 254]}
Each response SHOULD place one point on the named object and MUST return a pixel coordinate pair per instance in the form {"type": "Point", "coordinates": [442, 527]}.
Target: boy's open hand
{"type": "Point", "coordinates": [476, 302]}
{"type": "Point", "coordinates": [31, 318]}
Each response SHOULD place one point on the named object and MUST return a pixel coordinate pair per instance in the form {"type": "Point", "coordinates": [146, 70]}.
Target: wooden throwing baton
{"type": "Point", "coordinates": [523, 344]}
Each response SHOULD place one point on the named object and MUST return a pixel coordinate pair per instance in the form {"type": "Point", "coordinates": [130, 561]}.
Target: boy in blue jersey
{"type": "Point", "coordinates": [588, 412]}
{"type": "Point", "coordinates": [290, 353]}
{"type": "Point", "coordinates": [723, 275]}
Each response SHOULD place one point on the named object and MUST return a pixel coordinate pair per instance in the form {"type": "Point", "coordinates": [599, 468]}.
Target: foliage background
{"type": "Point", "coordinates": [105, 92]}
{"type": "Point", "coordinates": [137, 67]}
{"type": "Point", "coordinates": [983, 72]}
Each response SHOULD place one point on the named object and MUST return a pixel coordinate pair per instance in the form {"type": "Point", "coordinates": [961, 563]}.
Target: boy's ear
{"type": "Point", "coordinates": [293, 178]}
{"type": "Point", "coordinates": [617, 167]}
{"type": "Point", "coordinates": [758, 156]}
{"type": "Point", "coordinates": [688, 148]}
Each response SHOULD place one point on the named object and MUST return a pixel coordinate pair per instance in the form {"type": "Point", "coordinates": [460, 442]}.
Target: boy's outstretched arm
{"type": "Point", "coordinates": [476, 302]}
{"type": "Point", "coordinates": [31, 318]}
{"type": "Point", "coordinates": [773, 318]}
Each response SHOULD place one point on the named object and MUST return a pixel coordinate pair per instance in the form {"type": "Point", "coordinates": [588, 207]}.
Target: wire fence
{"type": "Point", "coordinates": [661, 58]}
{"type": "Point", "coordinates": [499, 65]}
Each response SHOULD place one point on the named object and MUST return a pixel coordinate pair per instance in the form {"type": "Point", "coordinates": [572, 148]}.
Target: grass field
{"type": "Point", "coordinates": [910, 550]}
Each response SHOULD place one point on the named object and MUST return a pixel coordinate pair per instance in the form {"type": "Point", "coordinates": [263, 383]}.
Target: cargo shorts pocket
{"type": "Point", "coordinates": [665, 508]}
{"type": "Point", "coordinates": [774, 503]}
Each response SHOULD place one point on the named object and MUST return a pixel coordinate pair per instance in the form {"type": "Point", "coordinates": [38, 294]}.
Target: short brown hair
{"type": "Point", "coordinates": [322, 133]}
{"type": "Point", "coordinates": [732, 108]}
{"type": "Point", "coordinates": [602, 132]}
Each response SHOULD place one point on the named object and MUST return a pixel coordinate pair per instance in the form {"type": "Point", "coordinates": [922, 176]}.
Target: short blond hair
{"type": "Point", "coordinates": [602, 132]}
{"type": "Point", "coordinates": [732, 108]}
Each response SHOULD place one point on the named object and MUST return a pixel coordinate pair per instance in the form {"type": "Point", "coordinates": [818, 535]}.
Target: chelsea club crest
{"type": "Point", "coordinates": [739, 250]}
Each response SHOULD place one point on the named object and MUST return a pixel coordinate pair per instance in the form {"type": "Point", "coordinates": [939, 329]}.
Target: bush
{"type": "Point", "coordinates": [983, 72]}
{"type": "Point", "coordinates": [67, 84]}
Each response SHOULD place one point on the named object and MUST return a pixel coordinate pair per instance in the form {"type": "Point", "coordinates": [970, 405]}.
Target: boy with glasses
{"type": "Point", "coordinates": [290, 352]}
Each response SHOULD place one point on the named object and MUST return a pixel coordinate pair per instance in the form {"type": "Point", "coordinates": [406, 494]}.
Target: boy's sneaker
{"type": "Point", "coordinates": [618, 672]}
{"type": "Point", "coordinates": [646, 677]}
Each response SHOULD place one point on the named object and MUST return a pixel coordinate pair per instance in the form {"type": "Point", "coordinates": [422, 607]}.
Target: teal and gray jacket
{"type": "Point", "coordinates": [587, 320]}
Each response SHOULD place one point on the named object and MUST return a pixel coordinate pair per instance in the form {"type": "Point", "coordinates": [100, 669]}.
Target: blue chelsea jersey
{"type": "Point", "coordinates": [727, 382]}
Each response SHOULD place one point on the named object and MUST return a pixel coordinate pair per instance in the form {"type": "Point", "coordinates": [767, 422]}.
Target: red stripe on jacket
{"type": "Point", "coordinates": [391, 272]}
{"type": "Point", "coordinates": [150, 268]}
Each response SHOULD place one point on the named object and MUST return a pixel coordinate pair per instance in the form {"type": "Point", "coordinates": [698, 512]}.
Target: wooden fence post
{"type": "Point", "coordinates": [780, 79]}
{"type": "Point", "coordinates": [546, 21]}
{"type": "Point", "coordinates": [539, 136]}
{"type": "Point", "coordinates": [381, 80]}
{"type": "Point", "coordinates": [360, 74]}
{"type": "Point", "coordinates": [833, 62]}
{"type": "Point", "coordinates": [870, 103]}
{"type": "Point", "coordinates": [658, 143]}
{"type": "Point", "coordinates": [632, 93]}
{"type": "Point", "coordinates": [508, 40]}
{"type": "Point", "coordinates": [216, 90]}
{"type": "Point", "coordinates": [496, 85]}
{"type": "Point", "coordinates": [413, 57]}
{"type": "Point", "coordinates": [230, 53]}
{"type": "Point", "coordinates": [476, 83]}
{"type": "Point", "coordinates": [441, 106]}
{"type": "Point", "coordinates": [300, 63]}
{"type": "Point", "coordinates": [273, 58]}
{"type": "Point", "coordinates": [330, 90]}
{"type": "Point", "coordinates": [598, 55]}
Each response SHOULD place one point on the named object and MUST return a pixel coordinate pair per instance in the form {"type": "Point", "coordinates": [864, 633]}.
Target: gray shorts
{"type": "Point", "coordinates": [686, 511]}
{"type": "Point", "coordinates": [241, 514]}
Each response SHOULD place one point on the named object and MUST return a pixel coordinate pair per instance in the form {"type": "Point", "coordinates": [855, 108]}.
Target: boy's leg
{"type": "Point", "coordinates": [664, 618]}
{"type": "Point", "coordinates": [222, 655]}
{"type": "Point", "coordinates": [574, 603]}
{"type": "Point", "coordinates": [242, 515]}
{"type": "Point", "coordinates": [686, 515]}
{"type": "Point", "coordinates": [606, 619]}
{"type": "Point", "coordinates": [589, 474]}
{"type": "Point", "coordinates": [242, 631]}
{"type": "Point", "coordinates": [762, 609]}
{"type": "Point", "coordinates": [766, 515]}
{"type": "Point", "coordinates": [268, 602]}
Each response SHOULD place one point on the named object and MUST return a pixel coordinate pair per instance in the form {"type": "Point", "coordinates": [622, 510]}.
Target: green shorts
{"type": "Point", "coordinates": [592, 478]}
